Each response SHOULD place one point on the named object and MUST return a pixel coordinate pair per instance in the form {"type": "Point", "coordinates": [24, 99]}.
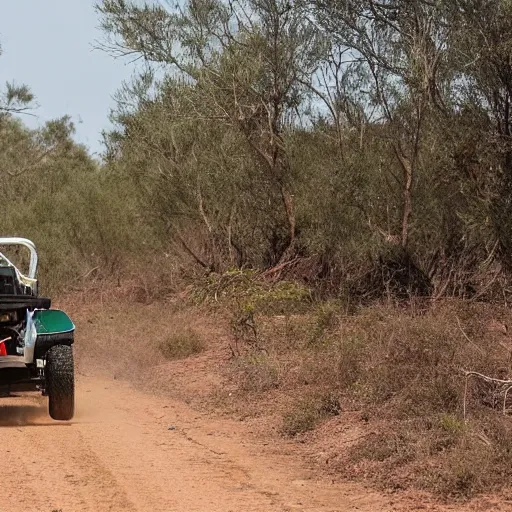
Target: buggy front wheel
{"type": "Point", "coordinates": [60, 382]}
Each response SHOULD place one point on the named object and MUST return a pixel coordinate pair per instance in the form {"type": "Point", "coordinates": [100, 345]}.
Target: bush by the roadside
{"type": "Point", "coordinates": [181, 344]}
{"type": "Point", "coordinates": [308, 413]}
{"type": "Point", "coordinates": [402, 369]}
{"type": "Point", "coordinates": [257, 372]}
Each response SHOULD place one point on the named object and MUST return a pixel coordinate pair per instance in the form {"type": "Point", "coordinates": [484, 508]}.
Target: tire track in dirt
{"type": "Point", "coordinates": [119, 454]}
{"type": "Point", "coordinates": [55, 468]}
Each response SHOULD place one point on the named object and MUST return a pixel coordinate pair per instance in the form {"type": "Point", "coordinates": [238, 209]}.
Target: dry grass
{"type": "Point", "coordinates": [124, 334]}
{"type": "Point", "coordinates": [401, 369]}
{"type": "Point", "coordinates": [257, 372]}
{"type": "Point", "coordinates": [308, 413]}
{"type": "Point", "coordinates": [398, 370]}
{"type": "Point", "coordinates": [181, 344]}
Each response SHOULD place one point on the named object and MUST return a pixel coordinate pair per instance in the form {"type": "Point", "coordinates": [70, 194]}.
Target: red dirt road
{"type": "Point", "coordinates": [128, 451]}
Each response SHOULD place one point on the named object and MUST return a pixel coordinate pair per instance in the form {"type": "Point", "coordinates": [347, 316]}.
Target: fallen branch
{"type": "Point", "coordinates": [504, 385]}
{"type": "Point", "coordinates": [278, 268]}
{"type": "Point", "coordinates": [87, 274]}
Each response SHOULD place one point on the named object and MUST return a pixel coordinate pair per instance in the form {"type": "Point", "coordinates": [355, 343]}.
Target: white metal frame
{"type": "Point", "coordinates": [10, 240]}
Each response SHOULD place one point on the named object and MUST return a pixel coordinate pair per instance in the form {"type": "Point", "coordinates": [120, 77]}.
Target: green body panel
{"type": "Point", "coordinates": [52, 321]}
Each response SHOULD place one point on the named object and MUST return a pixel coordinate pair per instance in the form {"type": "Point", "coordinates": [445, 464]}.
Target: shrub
{"type": "Point", "coordinates": [257, 372]}
{"type": "Point", "coordinates": [302, 418]}
{"type": "Point", "coordinates": [181, 345]}
{"type": "Point", "coordinates": [308, 413]}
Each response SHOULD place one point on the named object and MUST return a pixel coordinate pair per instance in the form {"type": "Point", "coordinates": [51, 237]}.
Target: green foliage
{"type": "Point", "coordinates": [282, 298]}
{"type": "Point", "coordinates": [452, 424]}
{"type": "Point", "coordinates": [367, 152]}
{"type": "Point", "coordinates": [17, 94]}
{"type": "Point", "coordinates": [303, 418]}
{"type": "Point", "coordinates": [325, 147]}
{"type": "Point", "coordinates": [251, 293]}
{"type": "Point", "coordinates": [79, 216]}
{"type": "Point", "coordinates": [326, 319]}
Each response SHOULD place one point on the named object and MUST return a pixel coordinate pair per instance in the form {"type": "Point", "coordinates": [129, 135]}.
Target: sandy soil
{"type": "Point", "coordinates": [127, 451]}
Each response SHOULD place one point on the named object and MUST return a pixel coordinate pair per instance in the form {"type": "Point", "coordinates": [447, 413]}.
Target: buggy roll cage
{"type": "Point", "coordinates": [33, 254]}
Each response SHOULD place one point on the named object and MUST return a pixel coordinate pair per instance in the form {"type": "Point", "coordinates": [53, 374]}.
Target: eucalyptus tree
{"type": "Point", "coordinates": [401, 47]}
{"type": "Point", "coordinates": [243, 65]}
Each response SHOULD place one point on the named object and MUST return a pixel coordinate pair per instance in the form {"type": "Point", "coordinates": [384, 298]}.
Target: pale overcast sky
{"type": "Point", "coordinates": [48, 45]}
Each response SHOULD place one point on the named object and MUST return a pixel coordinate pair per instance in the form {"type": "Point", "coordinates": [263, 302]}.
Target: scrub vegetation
{"type": "Point", "coordinates": [332, 178]}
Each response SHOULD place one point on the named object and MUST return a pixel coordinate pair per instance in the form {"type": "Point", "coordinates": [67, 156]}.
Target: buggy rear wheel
{"type": "Point", "coordinates": [60, 382]}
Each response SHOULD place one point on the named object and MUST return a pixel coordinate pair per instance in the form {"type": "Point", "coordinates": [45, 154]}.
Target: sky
{"type": "Point", "coordinates": [49, 46]}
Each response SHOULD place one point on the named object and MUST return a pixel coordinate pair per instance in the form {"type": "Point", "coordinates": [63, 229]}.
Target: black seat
{"type": "Point", "coordinates": [8, 281]}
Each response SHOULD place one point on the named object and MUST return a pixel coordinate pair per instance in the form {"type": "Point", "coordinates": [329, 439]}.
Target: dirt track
{"type": "Point", "coordinates": [127, 451]}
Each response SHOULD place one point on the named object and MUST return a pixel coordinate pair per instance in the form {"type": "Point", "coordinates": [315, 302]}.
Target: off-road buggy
{"type": "Point", "coordinates": [35, 341]}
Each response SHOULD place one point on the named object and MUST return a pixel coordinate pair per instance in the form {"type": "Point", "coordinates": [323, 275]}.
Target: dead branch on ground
{"type": "Point", "coordinates": [503, 386]}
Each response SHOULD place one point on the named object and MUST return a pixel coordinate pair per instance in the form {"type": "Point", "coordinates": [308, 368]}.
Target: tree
{"type": "Point", "coordinates": [241, 64]}
{"type": "Point", "coordinates": [15, 98]}
{"type": "Point", "coordinates": [481, 48]}
{"type": "Point", "coordinates": [400, 45]}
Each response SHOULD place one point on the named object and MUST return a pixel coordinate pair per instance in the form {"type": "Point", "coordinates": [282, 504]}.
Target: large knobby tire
{"type": "Point", "coordinates": [60, 382]}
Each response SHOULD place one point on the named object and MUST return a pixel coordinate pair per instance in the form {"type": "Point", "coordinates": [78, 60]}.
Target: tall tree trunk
{"type": "Point", "coordinates": [289, 205]}
{"type": "Point", "coordinates": [408, 175]}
